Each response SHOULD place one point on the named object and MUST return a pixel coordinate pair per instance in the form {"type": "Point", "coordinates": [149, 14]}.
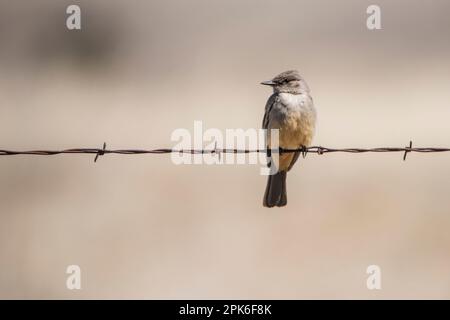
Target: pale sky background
{"type": "Point", "coordinates": [141, 227]}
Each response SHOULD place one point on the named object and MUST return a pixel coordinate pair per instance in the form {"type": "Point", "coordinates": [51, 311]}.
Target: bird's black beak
{"type": "Point", "coordinates": [268, 83]}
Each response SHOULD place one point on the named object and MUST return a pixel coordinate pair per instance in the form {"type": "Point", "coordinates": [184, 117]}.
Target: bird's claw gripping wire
{"type": "Point", "coordinates": [304, 151]}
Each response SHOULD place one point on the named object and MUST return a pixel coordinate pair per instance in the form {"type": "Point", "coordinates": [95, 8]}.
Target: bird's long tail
{"type": "Point", "coordinates": [275, 194]}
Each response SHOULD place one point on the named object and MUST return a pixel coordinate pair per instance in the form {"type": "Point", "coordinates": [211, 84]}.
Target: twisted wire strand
{"type": "Point", "coordinates": [313, 149]}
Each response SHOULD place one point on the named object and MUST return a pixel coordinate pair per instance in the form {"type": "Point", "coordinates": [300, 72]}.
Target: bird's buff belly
{"type": "Point", "coordinates": [295, 132]}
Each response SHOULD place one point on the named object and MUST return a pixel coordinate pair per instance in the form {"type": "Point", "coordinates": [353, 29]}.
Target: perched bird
{"type": "Point", "coordinates": [289, 109]}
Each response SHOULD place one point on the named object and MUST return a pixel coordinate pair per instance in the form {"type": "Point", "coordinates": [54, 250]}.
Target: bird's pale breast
{"type": "Point", "coordinates": [295, 116]}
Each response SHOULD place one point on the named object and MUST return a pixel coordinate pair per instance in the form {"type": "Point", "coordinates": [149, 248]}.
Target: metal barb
{"type": "Point", "coordinates": [217, 151]}
{"type": "Point", "coordinates": [406, 150]}
{"type": "Point", "coordinates": [100, 152]}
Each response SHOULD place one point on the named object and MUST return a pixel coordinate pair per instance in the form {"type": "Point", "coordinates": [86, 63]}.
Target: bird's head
{"type": "Point", "coordinates": [288, 82]}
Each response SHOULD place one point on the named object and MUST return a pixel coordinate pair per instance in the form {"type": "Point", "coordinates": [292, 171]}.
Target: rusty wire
{"type": "Point", "coordinates": [313, 149]}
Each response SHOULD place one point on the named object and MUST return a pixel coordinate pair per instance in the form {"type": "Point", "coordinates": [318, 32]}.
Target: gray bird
{"type": "Point", "coordinates": [290, 109]}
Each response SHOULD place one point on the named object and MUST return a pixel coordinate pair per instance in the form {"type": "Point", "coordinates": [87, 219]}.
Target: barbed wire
{"type": "Point", "coordinates": [304, 151]}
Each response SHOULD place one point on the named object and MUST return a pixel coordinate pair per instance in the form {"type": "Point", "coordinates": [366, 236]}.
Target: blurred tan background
{"type": "Point", "coordinates": [141, 227]}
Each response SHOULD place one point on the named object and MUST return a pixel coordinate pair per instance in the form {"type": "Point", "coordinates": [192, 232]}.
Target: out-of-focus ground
{"type": "Point", "coordinates": [141, 227]}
